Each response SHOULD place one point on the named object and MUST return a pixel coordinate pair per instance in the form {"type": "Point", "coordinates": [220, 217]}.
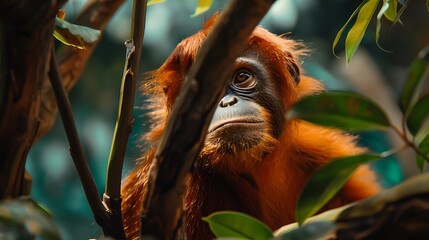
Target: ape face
{"type": "Point", "coordinates": [243, 116]}
{"type": "Point", "coordinates": [250, 117]}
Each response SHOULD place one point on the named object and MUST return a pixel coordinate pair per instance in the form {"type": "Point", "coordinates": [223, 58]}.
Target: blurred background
{"type": "Point", "coordinates": [372, 71]}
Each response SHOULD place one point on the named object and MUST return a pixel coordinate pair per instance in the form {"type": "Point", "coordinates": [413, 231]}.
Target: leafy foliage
{"type": "Point", "coordinates": [74, 35]}
{"type": "Point", "coordinates": [152, 2]}
{"type": "Point", "coordinates": [391, 9]}
{"type": "Point", "coordinates": [228, 224]}
{"type": "Point", "coordinates": [335, 110]}
{"type": "Point", "coordinates": [24, 219]}
{"type": "Point", "coordinates": [203, 6]}
{"type": "Point", "coordinates": [326, 182]}
{"type": "Point", "coordinates": [413, 84]}
{"type": "Point", "coordinates": [340, 32]}
{"type": "Point", "coordinates": [414, 106]}
{"type": "Point", "coordinates": [340, 109]}
{"type": "Point", "coordinates": [364, 13]}
{"type": "Point", "coordinates": [235, 225]}
{"type": "Point", "coordinates": [418, 115]}
{"type": "Point", "coordinates": [355, 35]}
{"type": "Point", "coordinates": [422, 156]}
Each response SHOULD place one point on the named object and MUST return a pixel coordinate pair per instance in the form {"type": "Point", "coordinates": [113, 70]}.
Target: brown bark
{"type": "Point", "coordinates": [26, 40]}
{"type": "Point", "coordinates": [27, 104]}
{"type": "Point", "coordinates": [407, 218]}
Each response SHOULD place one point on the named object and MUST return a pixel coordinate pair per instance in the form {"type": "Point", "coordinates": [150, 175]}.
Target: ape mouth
{"type": "Point", "coordinates": [235, 123]}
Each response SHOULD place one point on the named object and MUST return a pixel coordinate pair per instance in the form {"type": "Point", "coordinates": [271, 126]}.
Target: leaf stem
{"type": "Point", "coordinates": [407, 141]}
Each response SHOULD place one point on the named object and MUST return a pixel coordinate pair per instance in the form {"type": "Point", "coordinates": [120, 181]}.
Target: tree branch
{"type": "Point", "coordinates": [185, 131]}
{"type": "Point", "coordinates": [401, 212]}
{"type": "Point", "coordinates": [76, 149]}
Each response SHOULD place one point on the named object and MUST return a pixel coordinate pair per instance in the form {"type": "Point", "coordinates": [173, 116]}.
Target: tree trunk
{"type": "Point", "coordinates": [25, 41]}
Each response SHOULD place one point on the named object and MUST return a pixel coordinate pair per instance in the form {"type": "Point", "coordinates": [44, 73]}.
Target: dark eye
{"type": "Point", "coordinates": [243, 79]}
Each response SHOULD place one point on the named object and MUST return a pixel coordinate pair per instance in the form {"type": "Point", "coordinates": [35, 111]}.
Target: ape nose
{"type": "Point", "coordinates": [227, 101]}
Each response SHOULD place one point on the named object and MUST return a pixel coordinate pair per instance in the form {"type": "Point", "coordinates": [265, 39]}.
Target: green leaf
{"type": "Point", "coordinates": [340, 32]}
{"type": "Point", "coordinates": [424, 149]}
{"type": "Point", "coordinates": [427, 5]}
{"type": "Point", "coordinates": [74, 35]}
{"type": "Point", "coordinates": [355, 35]}
{"type": "Point", "coordinates": [203, 6]}
{"type": "Point", "coordinates": [152, 2]}
{"type": "Point", "coordinates": [326, 182]}
{"type": "Point", "coordinates": [391, 12]}
{"type": "Point", "coordinates": [423, 131]}
{"type": "Point", "coordinates": [418, 115]}
{"type": "Point", "coordinates": [339, 109]}
{"type": "Point", "coordinates": [413, 84]}
{"type": "Point", "coordinates": [421, 161]}
{"type": "Point", "coordinates": [309, 231]}
{"type": "Point", "coordinates": [24, 219]}
{"type": "Point", "coordinates": [228, 224]}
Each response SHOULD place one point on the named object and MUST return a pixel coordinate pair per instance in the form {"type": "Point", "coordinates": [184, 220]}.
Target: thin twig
{"type": "Point", "coordinates": [162, 212]}
{"type": "Point", "coordinates": [76, 149]}
{"type": "Point", "coordinates": [125, 113]}
{"type": "Point", "coordinates": [112, 196]}
{"type": "Point", "coordinates": [410, 143]}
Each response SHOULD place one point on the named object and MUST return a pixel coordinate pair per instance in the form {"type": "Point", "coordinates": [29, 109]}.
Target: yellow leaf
{"type": "Point", "coordinates": [152, 2]}
{"type": "Point", "coordinates": [391, 11]}
{"type": "Point", "coordinates": [68, 39]}
{"type": "Point", "coordinates": [74, 35]}
{"type": "Point", "coordinates": [340, 32]}
{"type": "Point", "coordinates": [203, 6]}
{"type": "Point", "coordinates": [355, 35]}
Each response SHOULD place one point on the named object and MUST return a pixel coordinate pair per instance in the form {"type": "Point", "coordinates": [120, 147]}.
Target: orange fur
{"type": "Point", "coordinates": [263, 181]}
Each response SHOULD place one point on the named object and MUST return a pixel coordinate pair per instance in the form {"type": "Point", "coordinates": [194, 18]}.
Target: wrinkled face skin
{"type": "Point", "coordinates": [250, 117]}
